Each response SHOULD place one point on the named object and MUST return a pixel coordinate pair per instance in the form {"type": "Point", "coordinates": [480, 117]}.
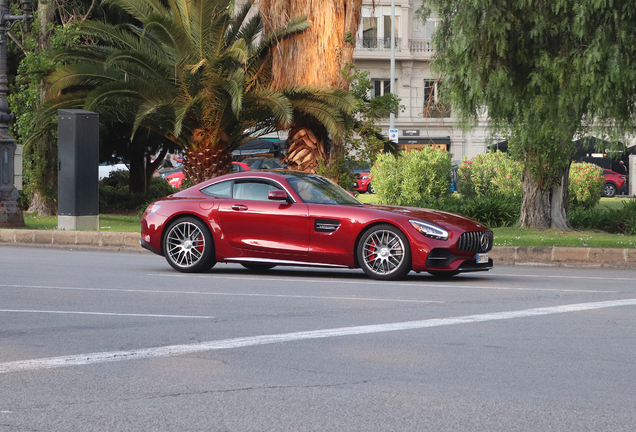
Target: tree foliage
{"type": "Point", "coordinates": [195, 72]}
{"type": "Point", "coordinates": [543, 72]}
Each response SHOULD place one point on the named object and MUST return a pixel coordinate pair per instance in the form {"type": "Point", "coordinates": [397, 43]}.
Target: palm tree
{"type": "Point", "coordinates": [315, 57]}
{"type": "Point", "coordinates": [194, 72]}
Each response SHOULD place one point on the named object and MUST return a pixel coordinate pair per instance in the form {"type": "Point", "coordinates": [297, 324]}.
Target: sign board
{"type": "Point", "coordinates": [393, 135]}
{"type": "Point", "coordinates": [411, 132]}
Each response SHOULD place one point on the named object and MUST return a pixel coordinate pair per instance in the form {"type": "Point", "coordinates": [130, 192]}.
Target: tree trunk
{"type": "Point", "coordinates": [138, 181]}
{"type": "Point", "coordinates": [44, 153]}
{"type": "Point", "coordinates": [328, 42]}
{"type": "Point", "coordinates": [545, 208]}
{"type": "Point", "coordinates": [304, 151]}
{"type": "Point", "coordinates": [41, 206]}
{"type": "Point", "coordinates": [207, 159]}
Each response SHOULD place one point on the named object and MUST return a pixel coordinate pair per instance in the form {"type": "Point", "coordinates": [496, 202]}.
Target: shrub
{"type": "Point", "coordinates": [114, 193]}
{"type": "Point", "coordinates": [494, 210]}
{"type": "Point", "coordinates": [611, 220]}
{"type": "Point", "coordinates": [586, 185]}
{"type": "Point", "coordinates": [412, 177]}
{"type": "Point", "coordinates": [490, 173]}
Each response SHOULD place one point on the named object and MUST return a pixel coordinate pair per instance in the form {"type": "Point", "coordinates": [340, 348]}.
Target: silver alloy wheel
{"type": "Point", "coordinates": [185, 244]}
{"type": "Point", "coordinates": [609, 190]}
{"type": "Point", "coordinates": [383, 252]}
{"type": "Point", "coordinates": [370, 189]}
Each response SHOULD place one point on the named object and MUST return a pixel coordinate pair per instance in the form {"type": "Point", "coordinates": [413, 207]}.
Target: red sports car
{"type": "Point", "coordinates": [363, 183]}
{"type": "Point", "coordinates": [614, 183]}
{"type": "Point", "coordinates": [176, 179]}
{"type": "Point", "coordinates": [262, 219]}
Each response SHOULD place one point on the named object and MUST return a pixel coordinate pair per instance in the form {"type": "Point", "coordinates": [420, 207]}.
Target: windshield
{"type": "Point", "coordinates": [319, 190]}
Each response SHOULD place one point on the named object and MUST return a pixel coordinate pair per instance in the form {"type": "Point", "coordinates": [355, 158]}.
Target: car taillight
{"type": "Point", "coordinates": [152, 208]}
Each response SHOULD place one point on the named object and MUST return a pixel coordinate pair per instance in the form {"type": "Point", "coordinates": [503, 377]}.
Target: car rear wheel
{"type": "Point", "coordinates": [258, 267]}
{"type": "Point", "coordinates": [384, 253]}
{"type": "Point", "coordinates": [609, 190]}
{"type": "Point", "coordinates": [370, 189]}
{"type": "Point", "coordinates": [188, 246]}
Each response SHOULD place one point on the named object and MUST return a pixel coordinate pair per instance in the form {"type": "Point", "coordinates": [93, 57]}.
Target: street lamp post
{"type": "Point", "coordinates": [10, 212]}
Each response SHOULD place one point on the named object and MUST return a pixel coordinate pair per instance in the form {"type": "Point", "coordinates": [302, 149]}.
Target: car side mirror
{"type": "Point", "coordinates": [278, 195]}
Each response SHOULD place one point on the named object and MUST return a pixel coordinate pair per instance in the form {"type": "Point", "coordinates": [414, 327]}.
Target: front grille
{"type": "Point", "coordinates": [472, 241]}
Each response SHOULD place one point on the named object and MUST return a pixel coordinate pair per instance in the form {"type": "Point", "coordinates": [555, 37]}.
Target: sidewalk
{"type": "Point", "coordinates": [552, 256]}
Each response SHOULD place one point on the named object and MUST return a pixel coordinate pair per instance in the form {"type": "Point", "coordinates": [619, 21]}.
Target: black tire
{"type": "Point", "coordinates": [384, 253]}
{"type": "Point", "coordinates": [370, 189]}
{"type": "Point", "coordinates": [609, 190]}
{"type": "Point", "coordinates": [188, 246]}
{"type": "Point", "coordinates": [444, 274]}
{"type": "Point", "coordinates": [258, 267]}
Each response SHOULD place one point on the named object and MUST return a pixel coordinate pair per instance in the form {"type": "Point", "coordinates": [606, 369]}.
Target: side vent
{"type": "Point", "coordinates": [326, 225]}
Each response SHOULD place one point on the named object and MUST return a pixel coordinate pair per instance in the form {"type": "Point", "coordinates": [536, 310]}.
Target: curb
{"type": "Point", "coordinates": [72, 239]}
{"type": "Point", "coordinates": [507, 255]}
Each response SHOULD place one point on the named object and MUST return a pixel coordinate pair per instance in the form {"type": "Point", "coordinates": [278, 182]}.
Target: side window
{"type": "Point", "coordinates": [219, 190]}
{"type": "Point", "coordinates": [251, 190]}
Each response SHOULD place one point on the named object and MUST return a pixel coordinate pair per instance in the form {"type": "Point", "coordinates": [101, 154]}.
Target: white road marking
{"type": "Point", "coordinates": [103, 313]}
{"type": "Point", "coordinates": [564, 277]}
{"type": "Point", "coordinates": [446, 284]}
{"type": "Point", "coordinates": [176, 350]}
{"type": "Point", "coordinates": [221, 294]}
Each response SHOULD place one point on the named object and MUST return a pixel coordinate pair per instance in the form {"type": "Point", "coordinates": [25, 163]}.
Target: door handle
{"type": "Point", "coordinates": [239, 207]}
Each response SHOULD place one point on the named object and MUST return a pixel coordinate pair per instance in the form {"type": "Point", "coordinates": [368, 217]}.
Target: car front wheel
{"type": "Point", "coordinates": [609, 190]}
{"type": "Point", "coordinates": [188, 246]}
{"type": "Point", "coordinates": [370, 189]}
{"type": "Point", "coordinates": [384, 253]}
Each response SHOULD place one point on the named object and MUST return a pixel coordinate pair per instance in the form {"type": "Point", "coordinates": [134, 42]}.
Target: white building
{"type": "Point", "coordinates": [424, 121]}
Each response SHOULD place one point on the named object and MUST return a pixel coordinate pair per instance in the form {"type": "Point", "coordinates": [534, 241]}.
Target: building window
{"type": "Point", "coordinates": [381, 87]}
{"type": "Point", "coordinates": [375, 31]}
{"type": "Point", "coordinates": [431, 93]}
{"type": "Point", "coordinates": [430, 27]}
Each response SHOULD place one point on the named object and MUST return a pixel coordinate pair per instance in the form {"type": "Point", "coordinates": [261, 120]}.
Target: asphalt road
{"type": "Point", "coordinates": [112, 341]}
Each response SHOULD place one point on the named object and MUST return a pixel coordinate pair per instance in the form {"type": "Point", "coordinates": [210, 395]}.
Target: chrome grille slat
{"type": "Point", "coordinates": [470, 241]}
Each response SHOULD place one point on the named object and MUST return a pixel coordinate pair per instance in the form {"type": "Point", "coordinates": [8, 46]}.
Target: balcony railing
{"type": "Point", "coordinates": [420, 45]}
{"type": "Point", "coordinates": [378, 44]}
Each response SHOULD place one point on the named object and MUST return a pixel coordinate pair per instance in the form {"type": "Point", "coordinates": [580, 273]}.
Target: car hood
{"type": "Point", "coordinates": [438, 217]}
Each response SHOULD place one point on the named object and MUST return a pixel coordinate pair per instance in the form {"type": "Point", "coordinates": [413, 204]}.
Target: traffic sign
{"type": "Point", "coordinates": [393, 135]}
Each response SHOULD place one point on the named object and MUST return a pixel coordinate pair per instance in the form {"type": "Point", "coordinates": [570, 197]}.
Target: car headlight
{"type": "Point", "coordinates": [364, 177]}
{"type": "Point", "coordinates": [430, 230]}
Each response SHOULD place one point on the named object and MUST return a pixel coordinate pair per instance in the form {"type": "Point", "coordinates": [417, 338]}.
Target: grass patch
{"type": "Point", "coordinates": [107, 222]}
{"type": "Point", "coordinates": [514, 236]}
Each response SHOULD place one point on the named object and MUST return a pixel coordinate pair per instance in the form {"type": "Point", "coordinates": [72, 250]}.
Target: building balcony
{"type": "Point", "coordinates": [378, 44]}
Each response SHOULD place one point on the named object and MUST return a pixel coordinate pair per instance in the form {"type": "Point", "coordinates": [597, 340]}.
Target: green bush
{"type": "Point", "coordinates": [494, 210]}
{"type": "Point", "coordinates": [490, 173]}
{"type": "Point", "coordinates": [412, 177]}
{"type": "Point", "coordinates": [586, 185]}
{"type": "Point", "coordinates": [115, 195]}
{"type": "Point", "coordinates": [609, 220]}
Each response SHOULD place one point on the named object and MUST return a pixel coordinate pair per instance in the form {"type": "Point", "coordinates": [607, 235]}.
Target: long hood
{"type": "Point", "coordinates": [438, 217]}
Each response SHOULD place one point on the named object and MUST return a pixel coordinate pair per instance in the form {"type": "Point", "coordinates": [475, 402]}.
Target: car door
{"type": "Point", "coordinates": [251, 221]}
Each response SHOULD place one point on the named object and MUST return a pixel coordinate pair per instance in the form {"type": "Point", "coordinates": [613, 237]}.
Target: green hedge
{"type": "Point", "coordinates": [611, 220]}
{"type": "Point", "coordinates": [412, 177]}
{"type": "Point", "coordinates": [585, 185]}
{"type": "Point", "coordinates": [490, 173]}
{"type": "Point", "coordinates": [115, 195]}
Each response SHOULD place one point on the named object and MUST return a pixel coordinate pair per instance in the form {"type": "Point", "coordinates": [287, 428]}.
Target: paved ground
{"type": "Point", "coordinates": [92, 340]}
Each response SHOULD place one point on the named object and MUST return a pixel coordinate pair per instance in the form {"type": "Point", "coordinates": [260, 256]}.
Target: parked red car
{"type": "Point", "coordinates": [363, 183]}
{"type": "Point", "coordinates": [615, 183]}
{"type": "Point", "coordinates": [176, 179]}
{"type": "Point", "coordinates": [262, 219]}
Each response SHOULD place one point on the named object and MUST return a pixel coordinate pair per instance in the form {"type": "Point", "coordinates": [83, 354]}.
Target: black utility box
{"type": "Point", "coordinates": [78, 163]}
